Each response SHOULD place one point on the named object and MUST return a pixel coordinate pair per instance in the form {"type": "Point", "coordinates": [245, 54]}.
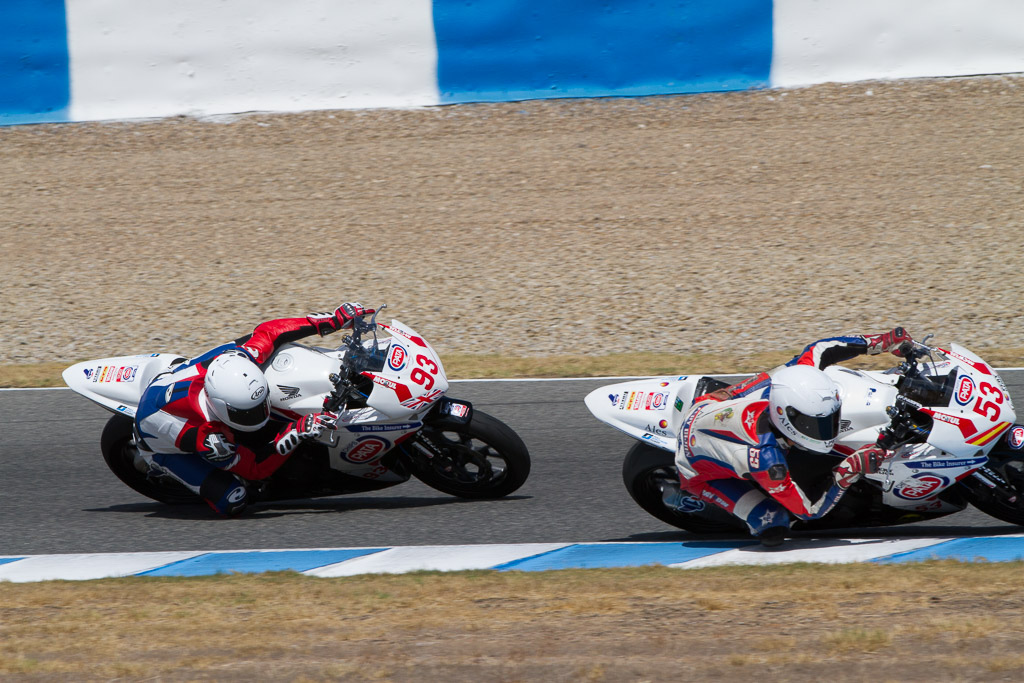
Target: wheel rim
{"type": "Point", "coordinates": [461, 458]}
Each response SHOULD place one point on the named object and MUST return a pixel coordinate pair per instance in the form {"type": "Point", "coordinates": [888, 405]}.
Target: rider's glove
{"type": "Point", "coordinates": [866, 460]}
{"type": "Point", "coordinates": [346, 313]}
{"type": "Point", "coordinates": [342, 317]}
{"type": "Point", "coordinates": [306, 428]}
{"type": "Point", "coordinates": [219, 451]}
{"type": "Point", "coordinates": [887, 342]}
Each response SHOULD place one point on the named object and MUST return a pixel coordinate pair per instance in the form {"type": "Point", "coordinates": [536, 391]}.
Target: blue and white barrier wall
{"type": "Point", "coordinates": [80, 60]}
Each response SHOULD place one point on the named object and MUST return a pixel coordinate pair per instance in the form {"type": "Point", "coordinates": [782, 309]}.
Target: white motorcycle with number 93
{"type": "Point", "coordinates": [395, 420]}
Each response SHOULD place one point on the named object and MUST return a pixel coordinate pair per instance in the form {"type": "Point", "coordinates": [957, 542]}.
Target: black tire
{"type": "Point", "coordinates": [1010, 466]}
{"type": "Point", "coordinates": [483, 458]}
{"type": "Point", "coordinates": [645, 469]}
{"type": "Point", "coordinates": [118, 446]}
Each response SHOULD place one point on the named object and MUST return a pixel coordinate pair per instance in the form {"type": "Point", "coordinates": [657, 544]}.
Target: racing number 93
{"type": "Point", "coordinates": [424, 379]}
{"type": "Point", "coordinates": [983, 407]}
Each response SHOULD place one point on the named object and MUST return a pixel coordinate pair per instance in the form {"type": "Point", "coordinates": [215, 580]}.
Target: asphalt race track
{"type": "Point", "coordinates": [57, 495]}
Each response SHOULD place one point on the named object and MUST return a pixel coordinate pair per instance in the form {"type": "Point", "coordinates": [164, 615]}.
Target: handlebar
{"type": "Point", "coordinates": [357, 358]}
{"type": "Point", "coordinates": [905, 424]}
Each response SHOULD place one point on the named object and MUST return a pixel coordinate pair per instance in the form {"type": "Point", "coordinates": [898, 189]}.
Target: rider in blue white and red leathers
{"type": "Point", "coordinates": [207, 420]}
{"type": "Point", "coordinates": [733, 443]}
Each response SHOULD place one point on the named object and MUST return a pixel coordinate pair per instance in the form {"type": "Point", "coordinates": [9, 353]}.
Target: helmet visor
{"type": "Point", "coordinates": [250, 417]}
{"type": "Point", "coordinates": [824, 428]}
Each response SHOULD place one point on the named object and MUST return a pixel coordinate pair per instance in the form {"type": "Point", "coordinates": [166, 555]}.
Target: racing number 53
{"type": "Point", "coordinates": [983, 407]}
{"type": "Point", "coordinates": [421, 377]}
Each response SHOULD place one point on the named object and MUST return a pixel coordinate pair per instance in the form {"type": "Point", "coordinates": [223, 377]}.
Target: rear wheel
{"type": "Point", "coordinates": [483, 458]}
{"type": "Point", "coordinates": [646, 470]}
{"type": "Point", "coordinates": [121, 456]}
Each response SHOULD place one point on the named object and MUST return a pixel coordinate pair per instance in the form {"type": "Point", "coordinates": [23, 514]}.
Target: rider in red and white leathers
{"type": "Point", "coordinates": [207, 420]}
{"type": "Point", "coordinates": [733, 443]}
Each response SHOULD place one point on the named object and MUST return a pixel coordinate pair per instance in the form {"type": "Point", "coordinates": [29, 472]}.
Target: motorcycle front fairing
{"type": "Point", "coordinates": [406, 380]}
{"type": "Point", "coordinates": [970, 409]}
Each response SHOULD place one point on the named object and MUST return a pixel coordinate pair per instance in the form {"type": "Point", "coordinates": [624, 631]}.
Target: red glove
{"type": "Point", "coordinates": [305, 428]}
{"type": "Point", "coordinates": [341, 318]}
{"type": "Point", "coordinates": [345, 313]}
{"type": "Point", "coordinates": [312, 425]}
{"type": "Point", "coordinates": [888, 342]}
{"type": "Point", "coordinates": [866, 460]}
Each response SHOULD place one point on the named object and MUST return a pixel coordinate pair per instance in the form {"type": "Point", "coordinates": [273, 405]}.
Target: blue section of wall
{"type": "Point", "coordinates": [34, 74]}
{"type": "Point", "coordinates": [499, 50]}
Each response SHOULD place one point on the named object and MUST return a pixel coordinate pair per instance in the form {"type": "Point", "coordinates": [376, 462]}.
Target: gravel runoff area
{"type": "Point", "coordinates": [736, 222]}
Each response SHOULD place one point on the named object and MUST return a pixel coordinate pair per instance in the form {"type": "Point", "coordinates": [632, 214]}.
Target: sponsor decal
{"type": "Point", "coordinates": [88, 373]}
{"type": "Point", "coordinates": [723, 415]}
{"type": "Point", "coordinates": [980, 367]}
{"type": "Point", "coordinates": [655, 430]}
{"type": "Point", "coordinates": [258, 393]}
{"type": "Point", "coordinates": [943, 464]}
{"type": "Point", "coordinates": [614, 398]}
{"type": "Point", "coordinates": [638, 403]}
{"type": "Point", "coordinates": [654, 439]}
{"type": "Point", "coordinates": [367, 449]}
{"type": "Point", "coordinates": [1015, 439]}
{"type": "Point", "coordinates": [458, 409]}
{"type": "Point", "coordinates": [690, 504]}
{"type": "Point", "coordinates": [401, 390]}
{"type": "Point", "coordinates": [288, 392]}
{"type": "Point", "coordinates": [397, 357]}
{"type": "Point", "coordinates": [713, 497]}
{"type": "Point", "coordinates": [663, 384]}
{"type": "Point", "coordinates": [679, 404]}
{"type": "Point", "coordinates": [964, 390]}
{"type": "Point", "coordinates": [236, 495]}
{"type": "Point", "coordinates": [663, 424]}
{"type": "Point", "coordinates": [96, 374]}
{"type": "Point", "coordinates": [650, 399]}
{"type": "Point", "coordinates": [383, 427]}
{"type": "Point", "coordinates": [942, 417]}
{"type": "Point", "coordinates": [921, 486]}
{"type": "Point", "coordinates": [659, 402]}
{"type": "Point", "coordinates": [845, 426]}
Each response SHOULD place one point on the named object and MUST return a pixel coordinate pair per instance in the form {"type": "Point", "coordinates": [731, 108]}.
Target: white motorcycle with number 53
{"type": "Point", "coordinates": [949, 420]}
{"type": "Point", "coordinates": [395, 420]}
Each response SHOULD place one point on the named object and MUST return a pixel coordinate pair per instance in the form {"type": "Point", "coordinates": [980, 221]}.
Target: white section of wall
{"type": "Point", "coordinates": [151, 58]}
{"type": "Point", "coordinates": [818, 41]}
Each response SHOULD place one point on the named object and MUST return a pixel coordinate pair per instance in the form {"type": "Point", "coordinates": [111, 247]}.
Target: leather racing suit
{"type": "Point", "coordinates": [206, 455]}
{"type": "Point", "coordinates": [729, 455]}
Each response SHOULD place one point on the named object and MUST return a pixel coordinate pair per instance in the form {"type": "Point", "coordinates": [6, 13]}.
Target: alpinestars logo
{"type": "Point", "coordinates": [288, 392]}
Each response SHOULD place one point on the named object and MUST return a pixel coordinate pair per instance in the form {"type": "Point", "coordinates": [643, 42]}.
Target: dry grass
{"type": "Point", "coordinates": [941, 620]}
{"type": "Point", "coordinates": [467, 366]}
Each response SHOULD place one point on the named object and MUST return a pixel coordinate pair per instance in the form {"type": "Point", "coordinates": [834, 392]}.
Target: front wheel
{"type": "Point", "coordinates": [1006, 502]}
{"type": "Point", "coordinates": [121, 456]}
{"type": "Point", "coordinates": [482, 458]}
{"type": "Point", "coordinates": [646, 470]}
